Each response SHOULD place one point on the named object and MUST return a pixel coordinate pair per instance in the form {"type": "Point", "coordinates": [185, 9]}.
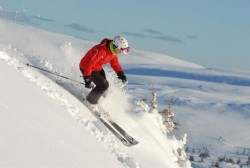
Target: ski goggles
{"type": "Point", "coordinates": [125, 50]}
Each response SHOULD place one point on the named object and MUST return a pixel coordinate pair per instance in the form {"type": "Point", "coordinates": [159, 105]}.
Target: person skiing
{"type": "Point", "coordinates": [91, 66]}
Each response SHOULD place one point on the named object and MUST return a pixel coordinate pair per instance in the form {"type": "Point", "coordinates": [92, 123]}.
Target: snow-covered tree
{"type": "Point", "coordinates": [182, 156]}
{"type": "Point", "coordinates": [154, 103]}
{"type": "Point", "coordinates": [168, 126]}
{"type": "Point", "coordinates": [168, 115]}
{"type": "Point", "coordinates": [248, 161]}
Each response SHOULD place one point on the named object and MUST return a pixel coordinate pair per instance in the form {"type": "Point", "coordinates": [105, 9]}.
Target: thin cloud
{"type": "Point", "coordinates": [134, 34]}
{"type": "Point", "coordinates": [169, 38]}
{"type": "Point", "coordinates": [157, 35]}
{"type": "Point", "coordinates": [151, 31]}
{"type": "Point", "coordinates": [43, 19]}
{"type": "Point", "coordinates": [79, 27]}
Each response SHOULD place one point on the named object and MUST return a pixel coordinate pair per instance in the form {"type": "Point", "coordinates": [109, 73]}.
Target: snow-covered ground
{"type": "Point", "coordinates": [36, 128]}
{"type": "Point", "coordinates": [44, 123]}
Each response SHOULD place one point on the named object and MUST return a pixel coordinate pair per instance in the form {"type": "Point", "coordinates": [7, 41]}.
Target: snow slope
{"type": "Point", "coordinates": [36, 131]}
{"type": "Point", "coordinates": [212, 106]}
{"type": "Point", "coordinates": [56, 119]}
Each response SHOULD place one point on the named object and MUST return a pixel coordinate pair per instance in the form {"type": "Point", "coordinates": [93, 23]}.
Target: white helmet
{"type": "Point", "coordinates": [121, 43]}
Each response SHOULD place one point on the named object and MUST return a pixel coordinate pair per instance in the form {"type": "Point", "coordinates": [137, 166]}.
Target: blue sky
{"type": "Point", "coordinates": [212, 33]}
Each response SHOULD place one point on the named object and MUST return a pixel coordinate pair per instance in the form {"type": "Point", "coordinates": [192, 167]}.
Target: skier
{"type": "Point", "coordinates": [91, 67]}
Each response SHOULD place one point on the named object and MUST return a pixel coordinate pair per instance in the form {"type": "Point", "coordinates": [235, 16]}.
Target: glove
{"type": "Point", "coordinates": [87, 80]}
{"type": "Point", "coordinates": [122, 77]}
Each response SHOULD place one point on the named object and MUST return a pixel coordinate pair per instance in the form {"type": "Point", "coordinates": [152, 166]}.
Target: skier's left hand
{"type": "Point", "coordinates": [122, 77]}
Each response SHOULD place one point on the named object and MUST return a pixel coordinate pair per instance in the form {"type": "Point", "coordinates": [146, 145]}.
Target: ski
{"type": "Point", "coordinates": [128, 137]}
{"type": "Point", "coordinates": [115, 129]}
{"type": "Point", "coordinates": [123, 140]}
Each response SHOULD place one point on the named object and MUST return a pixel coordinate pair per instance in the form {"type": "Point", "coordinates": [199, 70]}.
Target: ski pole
{"type": "Point", "coordinates": [54, 73]}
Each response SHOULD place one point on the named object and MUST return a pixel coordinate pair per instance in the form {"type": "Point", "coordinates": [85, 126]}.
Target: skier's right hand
{"type": "Point", "coordinates": [87, 80]}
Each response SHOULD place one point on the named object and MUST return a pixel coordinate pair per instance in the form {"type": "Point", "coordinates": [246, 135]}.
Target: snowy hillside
{"type": "Point", "coordinates": [49, 122]}
{"type": "Point", "coordinates": [44, 123]}
{"type": "Point", "coordinates": [36, 131]}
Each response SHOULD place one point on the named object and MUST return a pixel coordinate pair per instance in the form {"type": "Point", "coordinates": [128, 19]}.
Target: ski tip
{"type": "Point", "coordinates": [135, 143]}
{"type": "Point", "coordinates": [126, 143]}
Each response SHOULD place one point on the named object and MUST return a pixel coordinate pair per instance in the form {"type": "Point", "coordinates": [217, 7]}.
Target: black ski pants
{"type": "Point", "coordinates": [99, 79]}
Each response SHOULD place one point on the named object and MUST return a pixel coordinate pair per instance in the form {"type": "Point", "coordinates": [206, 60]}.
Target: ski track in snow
{"type": "Point", "coordinates": [107, 139]}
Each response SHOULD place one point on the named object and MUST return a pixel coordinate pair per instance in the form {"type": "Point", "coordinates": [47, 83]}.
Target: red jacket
{"type": "Point", "coordinates": [97, 56]}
